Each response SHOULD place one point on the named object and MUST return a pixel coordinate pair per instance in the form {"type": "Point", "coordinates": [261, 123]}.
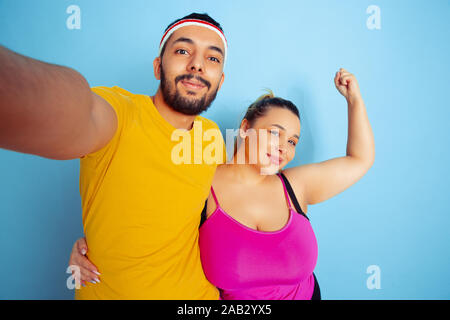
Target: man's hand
{"type": "Point", "coordinates": [50, 110]}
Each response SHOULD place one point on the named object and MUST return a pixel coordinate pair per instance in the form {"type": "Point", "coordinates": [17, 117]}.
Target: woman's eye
{"type": "Point", "coordinates": [274, 132]}
{"type": "Point", "coordinates": [292, 142]}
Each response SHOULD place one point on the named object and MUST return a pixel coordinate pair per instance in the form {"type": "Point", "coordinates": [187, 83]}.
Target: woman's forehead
{"type": "Point", "coordinates": [280, 116]}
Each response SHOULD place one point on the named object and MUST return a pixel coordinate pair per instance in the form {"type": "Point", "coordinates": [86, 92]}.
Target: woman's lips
{"type": "Point", "coordinates": [274, 159]}
{"type": "Point", "coordinates": [193, 85]}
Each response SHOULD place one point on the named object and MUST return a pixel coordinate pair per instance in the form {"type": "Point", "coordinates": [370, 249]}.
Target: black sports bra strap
{"type": "Point", "coordinates": [292, 195]}
{"type": "Point", "coordinates": [203, 215]}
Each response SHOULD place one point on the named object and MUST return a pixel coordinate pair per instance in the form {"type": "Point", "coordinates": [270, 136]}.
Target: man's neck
{"type": "Point", "coordinates": [176, 119]}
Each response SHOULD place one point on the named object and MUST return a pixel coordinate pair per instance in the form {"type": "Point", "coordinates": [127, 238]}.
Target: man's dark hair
{"type": "Point", "coordinates": [197, 16]}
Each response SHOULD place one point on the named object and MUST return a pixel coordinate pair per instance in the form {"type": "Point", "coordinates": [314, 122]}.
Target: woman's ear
{"type": "Point", "coordinates": [243, 128]}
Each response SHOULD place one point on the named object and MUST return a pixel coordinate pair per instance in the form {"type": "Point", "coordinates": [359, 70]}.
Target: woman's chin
{"type": "Point", "coordinates": [269, 169]}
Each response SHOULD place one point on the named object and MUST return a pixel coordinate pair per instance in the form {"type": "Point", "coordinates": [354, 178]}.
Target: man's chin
{"type": "Point", "coordinates": [190, 107]}
{"type": "Point", "coordinates": [188, 102]}
{"type": "Point", "coordinates": [193, 96]}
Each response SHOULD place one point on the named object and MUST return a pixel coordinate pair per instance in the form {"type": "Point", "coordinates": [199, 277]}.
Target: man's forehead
{"type": "Point", "coordinates": [198, 35]}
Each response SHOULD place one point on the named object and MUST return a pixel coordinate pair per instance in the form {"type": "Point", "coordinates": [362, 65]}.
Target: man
{"type": "Point", "coordinates": [141, 211]}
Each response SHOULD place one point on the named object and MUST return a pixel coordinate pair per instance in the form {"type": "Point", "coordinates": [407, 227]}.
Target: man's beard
{"type": "Point", "coordinates": [184, 105]}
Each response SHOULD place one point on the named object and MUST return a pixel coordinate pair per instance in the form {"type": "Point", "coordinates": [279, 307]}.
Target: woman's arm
{"type": "Point", "coordinates": [88, 271]}
{"type": "Point", "coordinates": [321, 181]}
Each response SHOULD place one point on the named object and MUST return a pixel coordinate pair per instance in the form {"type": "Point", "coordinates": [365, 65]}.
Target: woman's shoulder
{"type": "Point", "coordinates": [294, 179]}
{"type": "Point", "coordinates": [221, 174]}
{"type": "Point", "coordinates": [296, 176]}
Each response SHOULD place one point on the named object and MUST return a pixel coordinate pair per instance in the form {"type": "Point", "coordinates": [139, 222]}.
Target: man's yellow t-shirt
{"type": "Point", "coordinates": [141, 210]}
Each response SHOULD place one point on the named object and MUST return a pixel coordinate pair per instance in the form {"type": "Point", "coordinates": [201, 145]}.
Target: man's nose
{"type": "Point", "coordinates": [195, 64]}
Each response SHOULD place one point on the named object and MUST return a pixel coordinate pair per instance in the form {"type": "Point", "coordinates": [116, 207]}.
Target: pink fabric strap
{"type": "Point", "coordinates": [214, 196]}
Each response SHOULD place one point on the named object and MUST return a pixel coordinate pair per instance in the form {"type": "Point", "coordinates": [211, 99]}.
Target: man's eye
{"type": "Point", "coordinates": [181, 51]}
{"type": "Point", "coordinates": [292, 142]}
{"type": "Point", "coordinates": [214, 59]}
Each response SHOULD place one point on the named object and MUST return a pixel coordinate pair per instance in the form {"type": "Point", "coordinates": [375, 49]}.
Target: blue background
{"type": "Point", "coordinates": [395, 217]}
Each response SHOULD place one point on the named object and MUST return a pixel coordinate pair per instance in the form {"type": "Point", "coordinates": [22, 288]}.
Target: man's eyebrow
{"type": "Point", "coordinates": [216, 49]}
{"type": "Point", "coordinates": [282, 128]}
{"type": "Point", "coordinates": [183, 39]}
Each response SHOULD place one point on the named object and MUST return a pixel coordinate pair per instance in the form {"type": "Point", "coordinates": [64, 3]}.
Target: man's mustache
{"type": "Point", "coordinates": [190, 76]}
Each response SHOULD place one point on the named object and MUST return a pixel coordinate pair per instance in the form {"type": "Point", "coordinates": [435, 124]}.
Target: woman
{"type": "Point", "coordinates": [254, 244]}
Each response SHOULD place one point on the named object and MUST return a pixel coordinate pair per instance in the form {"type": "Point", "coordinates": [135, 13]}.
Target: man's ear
{"type": "Point", "coordinates": [157, 68]}
{"type": "Point", "coordinates": [221, 80]}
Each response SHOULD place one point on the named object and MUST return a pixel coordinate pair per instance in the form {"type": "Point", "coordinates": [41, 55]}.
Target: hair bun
{"type": "Point", "coordinates": [268, 95]}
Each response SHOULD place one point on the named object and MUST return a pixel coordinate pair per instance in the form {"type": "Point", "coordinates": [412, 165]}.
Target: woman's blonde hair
{"type": "Point", "coordinates": [263, 104]}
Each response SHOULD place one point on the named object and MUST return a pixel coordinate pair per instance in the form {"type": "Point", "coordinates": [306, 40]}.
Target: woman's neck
{"type": "Point", "coordinates": [245, 173]}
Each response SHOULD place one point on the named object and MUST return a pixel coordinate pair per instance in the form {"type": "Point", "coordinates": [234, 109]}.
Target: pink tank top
{"type": "Point", "coordinates": [247, 264]}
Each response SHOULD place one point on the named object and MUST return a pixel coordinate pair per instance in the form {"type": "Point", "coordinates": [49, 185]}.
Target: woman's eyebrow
{"type": "Point", "coordinates": [277, 125]}
{"type": "Point", "coordinates": [282, 128]}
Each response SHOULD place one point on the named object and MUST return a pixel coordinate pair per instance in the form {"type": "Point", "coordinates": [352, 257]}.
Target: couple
{"type": "Point", "coordinates": [141, 211]}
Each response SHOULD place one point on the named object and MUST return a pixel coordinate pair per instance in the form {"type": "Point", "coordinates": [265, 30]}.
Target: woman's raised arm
{"type": "Point", "coordinates": [321, 181]}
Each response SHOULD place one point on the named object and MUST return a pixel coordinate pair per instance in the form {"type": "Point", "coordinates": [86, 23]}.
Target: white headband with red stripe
{"type": "Point", "coordinates": [193, 22]}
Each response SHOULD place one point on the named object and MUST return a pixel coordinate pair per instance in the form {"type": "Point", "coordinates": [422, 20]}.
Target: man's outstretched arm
{"type": "Point", "coordinates": [49, 110]}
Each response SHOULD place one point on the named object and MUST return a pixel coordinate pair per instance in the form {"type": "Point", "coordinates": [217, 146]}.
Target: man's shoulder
{"type": "Point", "coordinates": [115, 91]}
{"type": "Point", "coordinates": [207, 123]}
